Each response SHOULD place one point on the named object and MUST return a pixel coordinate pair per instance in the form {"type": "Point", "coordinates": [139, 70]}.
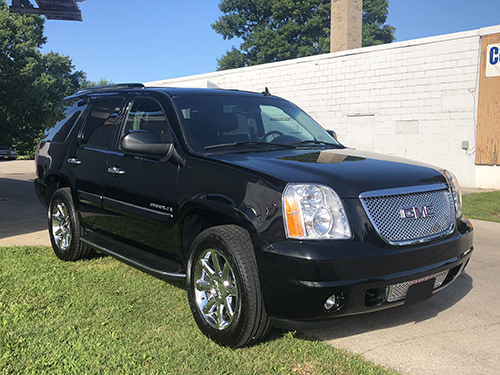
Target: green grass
{"type": "Point", "coordinates": [104, 317]}
{"type": "Point", "coordinates": [482, 206]}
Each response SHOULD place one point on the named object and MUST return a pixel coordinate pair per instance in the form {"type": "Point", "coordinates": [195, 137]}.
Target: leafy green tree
{"type": "Point", "coordinates": [102, 82]}
{"type": "Point", "coordinates": [374, 17]}
{"type": "Point", "coordinates": [31, 83]}
{"type": "Point", "coordinates": [276, 30]}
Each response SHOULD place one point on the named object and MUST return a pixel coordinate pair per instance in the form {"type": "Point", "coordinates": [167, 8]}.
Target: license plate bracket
{"type": "Point", "coordinates": [419, 292]}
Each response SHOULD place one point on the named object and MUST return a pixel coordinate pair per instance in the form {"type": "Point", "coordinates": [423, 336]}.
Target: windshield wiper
{"type": "Point", "coordinates": [316, 142]}
{"type": "Point", "coordinates": [249, 144]}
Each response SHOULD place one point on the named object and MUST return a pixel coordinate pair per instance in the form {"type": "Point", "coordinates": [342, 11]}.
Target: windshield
{"type": "Point", "coordinates": [210, 121]}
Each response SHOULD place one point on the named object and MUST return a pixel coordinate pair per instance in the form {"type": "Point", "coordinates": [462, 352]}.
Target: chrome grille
{"type": "Point", "coordinates": [408, 216]}
{"type": "Point", "coordinates": [398, 292]}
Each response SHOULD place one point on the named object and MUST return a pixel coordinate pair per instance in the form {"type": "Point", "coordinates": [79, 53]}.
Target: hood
{"type": "Point", "coordinates": [349, 172]}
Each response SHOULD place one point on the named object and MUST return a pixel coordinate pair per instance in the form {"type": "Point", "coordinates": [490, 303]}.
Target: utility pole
{"type": "Point", "coordinates": [346, 25]}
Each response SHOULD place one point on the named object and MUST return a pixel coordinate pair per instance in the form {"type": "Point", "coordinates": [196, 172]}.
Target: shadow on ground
{"type": "Point", "coordinates": [20, 210]}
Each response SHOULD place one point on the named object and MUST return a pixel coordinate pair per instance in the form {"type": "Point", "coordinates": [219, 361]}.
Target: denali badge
{"type": "Point", "coordinates": [161, 207]}
{"type": "Point", "coordinates": [417, 212]}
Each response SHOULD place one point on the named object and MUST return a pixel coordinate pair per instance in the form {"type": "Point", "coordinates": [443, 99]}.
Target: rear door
{"type": "Point", "coordinates": [140, 189]}
{"type": "Point", "coordinates": [88, 159]}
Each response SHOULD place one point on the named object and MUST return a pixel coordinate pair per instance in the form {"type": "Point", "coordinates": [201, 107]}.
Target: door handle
{"type": "Point", "coordinates": [74, 161]}
{"type": "Point", "coordinates": [116, 171]}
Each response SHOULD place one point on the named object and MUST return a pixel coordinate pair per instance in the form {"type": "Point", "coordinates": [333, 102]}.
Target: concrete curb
{"type": "Point", "coordinates": [40, 238]}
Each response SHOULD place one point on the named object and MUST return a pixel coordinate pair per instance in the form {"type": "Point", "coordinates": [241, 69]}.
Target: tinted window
{"type": "Point", "coordinates": [147, 114]}
{"type": "Point", "coordinates": [63, 120]}
{"type": "Point", "coordinates": [101, 123]}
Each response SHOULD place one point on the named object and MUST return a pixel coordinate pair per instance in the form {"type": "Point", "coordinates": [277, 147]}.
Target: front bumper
{"type": "Point", "coordinates": [297, 277]}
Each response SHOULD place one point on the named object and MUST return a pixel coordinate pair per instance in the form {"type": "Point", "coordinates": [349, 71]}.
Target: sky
{"type": "Point", "coordinates": [143, 41]}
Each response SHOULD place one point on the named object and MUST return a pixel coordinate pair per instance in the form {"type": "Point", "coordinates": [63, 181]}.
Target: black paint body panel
{"type": "Point", "coordinates": [160, 205]}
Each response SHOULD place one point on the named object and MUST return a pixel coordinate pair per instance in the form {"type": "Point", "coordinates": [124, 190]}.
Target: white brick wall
{"type": "Point", "coordinates": [421, 94]}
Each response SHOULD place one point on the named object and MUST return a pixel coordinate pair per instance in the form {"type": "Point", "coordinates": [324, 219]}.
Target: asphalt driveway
{"type": "Point", "coordinates": [455, 332]}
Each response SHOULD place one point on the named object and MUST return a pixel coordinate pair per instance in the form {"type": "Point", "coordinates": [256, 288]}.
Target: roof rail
{"type": "Point", "coordinates": [117, 86]}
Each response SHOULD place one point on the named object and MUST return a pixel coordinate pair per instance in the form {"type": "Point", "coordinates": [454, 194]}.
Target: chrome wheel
{"type": "Point", "coordinates": [65, 230]}
{"type": "Point", "coordinates": [216, 292]}
{"type": "Point", "coordinates": [222, 281]}
{"type": "Point", "coordinates": [61, 226]}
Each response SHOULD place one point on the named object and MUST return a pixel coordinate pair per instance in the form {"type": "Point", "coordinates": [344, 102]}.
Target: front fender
{"type": "Point", "coordinates": [204, 212]}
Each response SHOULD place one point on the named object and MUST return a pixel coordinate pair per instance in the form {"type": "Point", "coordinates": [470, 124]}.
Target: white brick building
{"type": "Point", "coordinates": [417, 99]}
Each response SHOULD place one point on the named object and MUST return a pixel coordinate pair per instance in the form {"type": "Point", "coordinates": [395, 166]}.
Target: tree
{"type": "Point", "coordinates": [374, 18]}
{"type": "Point", "coordinates": [276, 30]}
{"type": "Point", "coordinates": [31, 83]}
{"type": "Point", "coordinates": [102, 82]}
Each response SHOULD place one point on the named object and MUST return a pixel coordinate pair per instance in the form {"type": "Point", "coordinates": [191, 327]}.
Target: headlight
{"type": "Point", "coordinates": [455, 192]}
{"type": "Point", "coordinates": [314, 212]}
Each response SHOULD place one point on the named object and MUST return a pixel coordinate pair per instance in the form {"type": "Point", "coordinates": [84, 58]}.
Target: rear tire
{"type": "Point", "coordinates": [65, 229]}
{"type": "Point", "coordinates": [224, 289]}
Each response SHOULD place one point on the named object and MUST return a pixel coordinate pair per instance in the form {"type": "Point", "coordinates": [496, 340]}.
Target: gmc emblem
{"type": "Point", "coordinates": [417, 212]}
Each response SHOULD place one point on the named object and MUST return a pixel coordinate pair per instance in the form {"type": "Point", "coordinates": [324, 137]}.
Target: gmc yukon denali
{"type": "Point", "coordinates": [267, 218]}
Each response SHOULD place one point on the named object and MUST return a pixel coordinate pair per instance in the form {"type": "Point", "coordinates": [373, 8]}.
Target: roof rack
{"type": "Point", "coordinates": [118, 86]}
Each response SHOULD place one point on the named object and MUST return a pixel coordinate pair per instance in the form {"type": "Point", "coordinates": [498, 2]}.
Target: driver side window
{"type": "Point", "coordinates": [147, 114]}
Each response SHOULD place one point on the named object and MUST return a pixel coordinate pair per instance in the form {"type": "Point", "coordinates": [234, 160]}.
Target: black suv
{"type": "Point", "coordinates": [265, 215]}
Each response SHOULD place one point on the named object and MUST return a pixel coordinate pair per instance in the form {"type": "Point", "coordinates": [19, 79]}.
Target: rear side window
{"type": "Point", "coordinates": [100, 124]}
{"type": "Point", "coordinates": [64, 118]}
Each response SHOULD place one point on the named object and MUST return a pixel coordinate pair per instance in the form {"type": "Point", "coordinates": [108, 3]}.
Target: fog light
{"type": "Point", "coordinates": [334, 303]}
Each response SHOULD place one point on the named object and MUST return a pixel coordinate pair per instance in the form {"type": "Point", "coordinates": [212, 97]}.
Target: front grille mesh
{"type": "Point", "coordinates": [385, 213]}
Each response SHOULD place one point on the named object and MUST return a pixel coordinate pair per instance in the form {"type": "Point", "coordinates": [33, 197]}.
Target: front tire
{"type": "Point", "coordinates": [65, 229]}
{"type": "Point", "coordinates": [224, 289]}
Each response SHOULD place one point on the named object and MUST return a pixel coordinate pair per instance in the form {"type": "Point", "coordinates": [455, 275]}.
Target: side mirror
{"type": "Point", "coordinates": [332, 134]}
{"type": "Point", "coordinates": [144, 142]}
